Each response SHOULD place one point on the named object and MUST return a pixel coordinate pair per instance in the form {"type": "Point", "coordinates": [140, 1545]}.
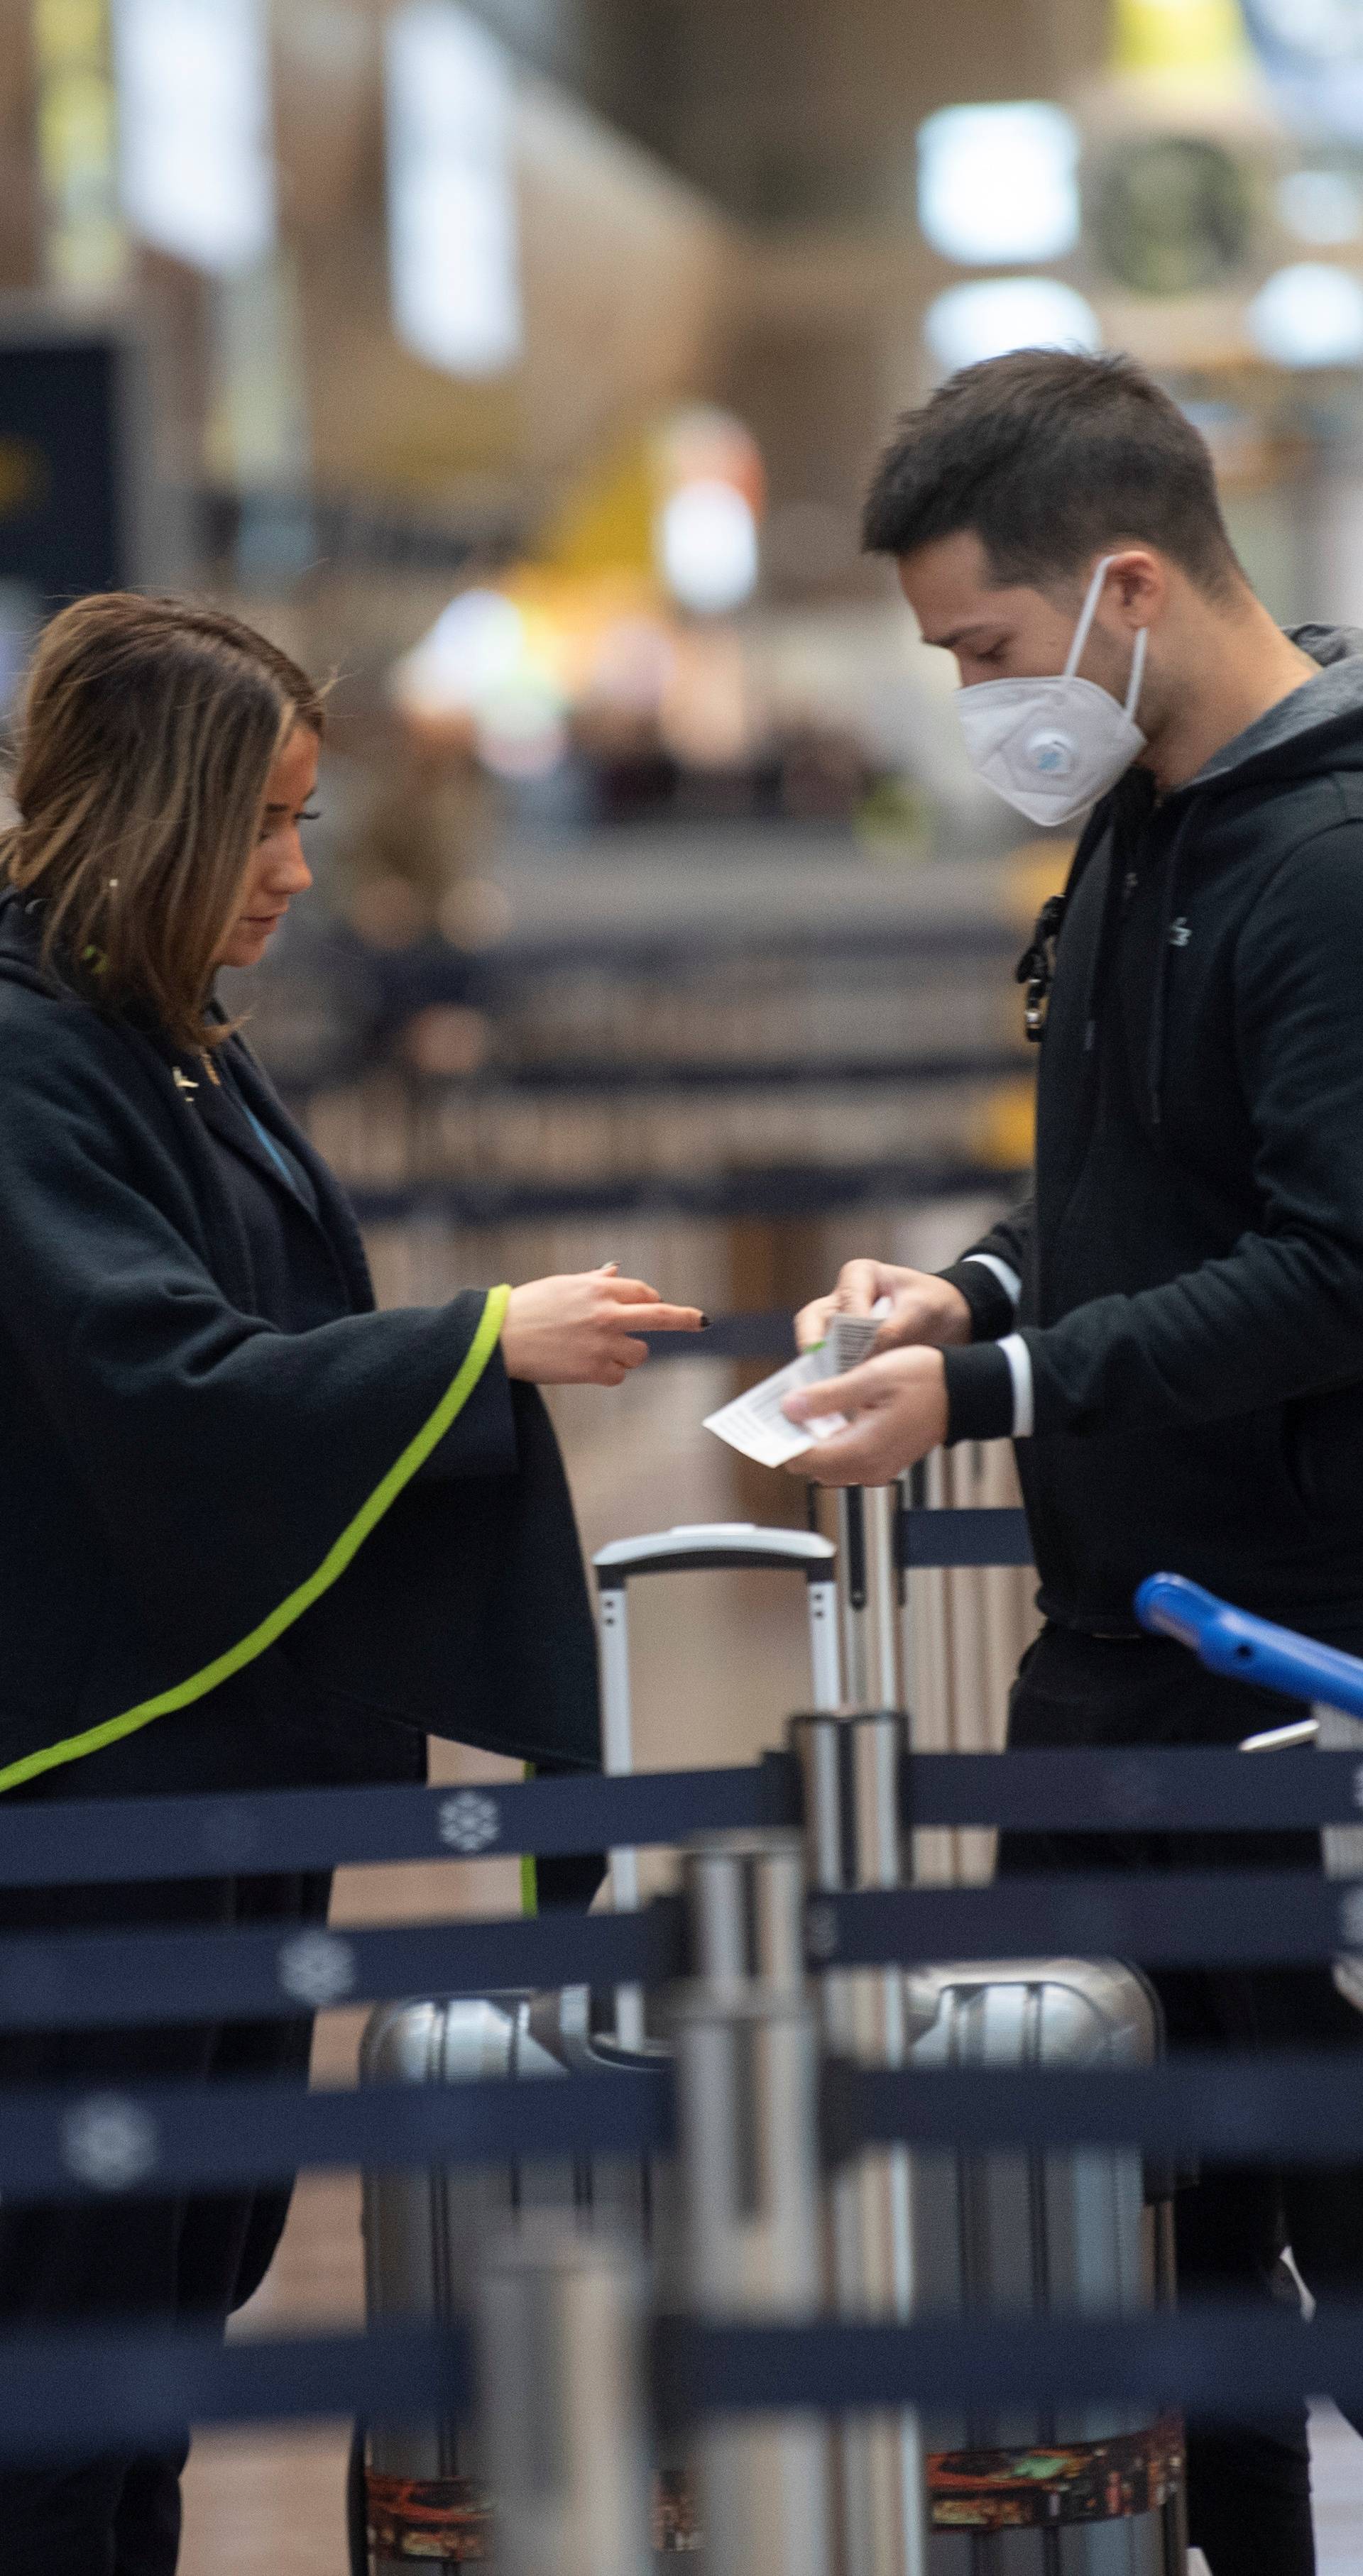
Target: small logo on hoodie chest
{"type": "Point", "coordinates": [1180, 932]}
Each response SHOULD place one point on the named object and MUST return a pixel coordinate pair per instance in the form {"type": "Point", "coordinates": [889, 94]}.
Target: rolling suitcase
{"type": "Point", "coordinates": [414, 2496]}
{"type": "Point", "coordinates": [1090, 2490]}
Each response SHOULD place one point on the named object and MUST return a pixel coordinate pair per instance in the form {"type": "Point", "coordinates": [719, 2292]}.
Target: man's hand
{"type": "Point", "coordinates": [923, 1310]}
{"type": "Point", "coordinates": [897, 1411]}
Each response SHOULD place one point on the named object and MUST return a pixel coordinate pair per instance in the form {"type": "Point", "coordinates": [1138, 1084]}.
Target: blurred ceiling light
{"type": "Point", "coordinates": [971, 323]}
{"type": "Point", "coordinates": [999, 183]}
{"type": "Point", "coordinates": [481, 659]}
{"type": "Point", "coordinates": [1312, 52]}
{"type": "Point", "coordinates": [1325, 30]}
{"type": "Point", "coordinates": [476, 645]}
{"type": "Point", "coordinates": [1309, 316]}
{"type": "Point", "coordinates": [707, 546]}
{"type": "Point", "coordinates": [196, 159]}
{"type": "Point", "coordinates": [710, 488]}
{"type": "Point", "coordinates": [1324, 207]}
{"type": "Point", "coordinates": [451, 198]}
{"type": "Point", "coordinates": [701, 443]}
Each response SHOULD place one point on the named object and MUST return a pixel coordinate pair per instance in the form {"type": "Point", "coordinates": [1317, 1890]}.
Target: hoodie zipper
{"type": "Point", "coordinates": [1170, 925]}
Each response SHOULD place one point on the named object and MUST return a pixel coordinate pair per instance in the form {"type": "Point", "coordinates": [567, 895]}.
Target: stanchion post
{"type": "Point", "coordinates": [852, 1769]}
{"type": "Point", "coordinates": [745, 1901]}
{"type": "Point", "coordinates": [869, 1552]}
{"type": "Point", "coordinates": [563, 2437]}
{"type": "Point", "coordinates": [747, 2093]}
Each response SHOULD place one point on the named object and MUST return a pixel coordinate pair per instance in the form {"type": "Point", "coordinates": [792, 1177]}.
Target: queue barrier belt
{"type": "Point", "coordinates": [63, 2395]}
{"type": "Point", "coordinates": [68, 2144]}
{"type": "Point", "coordinates": [122, 2391]}
{"type": "Point", "coordinates": [85, 1842]}
{"type": "Point", "coordinates": [123, 1980]}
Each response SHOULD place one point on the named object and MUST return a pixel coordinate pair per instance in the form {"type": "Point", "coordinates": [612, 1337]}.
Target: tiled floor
{"type": "Point", "coordinates": [717, 1664]}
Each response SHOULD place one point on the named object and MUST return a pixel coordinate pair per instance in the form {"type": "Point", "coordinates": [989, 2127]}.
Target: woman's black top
{"type": "Point", "coordinates": [273, 1534]}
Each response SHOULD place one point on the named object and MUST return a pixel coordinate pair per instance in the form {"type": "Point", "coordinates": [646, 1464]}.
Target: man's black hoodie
{"type": "Point", "coordinates": [1192, 1258]}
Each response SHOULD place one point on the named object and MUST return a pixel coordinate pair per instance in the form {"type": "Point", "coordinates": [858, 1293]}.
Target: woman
{"type": "Point", "coordinates": [255, 1533]}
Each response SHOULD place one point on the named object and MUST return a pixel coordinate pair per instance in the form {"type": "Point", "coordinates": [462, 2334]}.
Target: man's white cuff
{"type": "Point", "coordinates": [1019, 1360]}
{"type": "Point", "coordinates": [1008, 1279]}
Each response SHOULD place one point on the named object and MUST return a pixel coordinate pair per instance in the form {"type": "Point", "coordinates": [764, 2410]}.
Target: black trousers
{"type": "Point", "coordinates": [1248, 2480]}
{"type": "Point", "coordinates": [193, 2260]}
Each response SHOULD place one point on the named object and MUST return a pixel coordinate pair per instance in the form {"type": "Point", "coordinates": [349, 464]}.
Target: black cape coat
{"type": "Point", "coordinates": [250, 1529]}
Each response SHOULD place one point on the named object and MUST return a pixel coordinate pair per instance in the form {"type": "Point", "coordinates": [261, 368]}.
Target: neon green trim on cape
{"type": "Point", "coordinates": [334, 1563]}
{"type": "Point", "coordinates": [530, 1876]}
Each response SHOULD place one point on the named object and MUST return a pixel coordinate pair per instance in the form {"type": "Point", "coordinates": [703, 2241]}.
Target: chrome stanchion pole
{"type": "Point", "coordinates": [562, 2429]}
{"type": "Point", "coordinates": [872, 1589]}
{"type": "Point", "coordinates": [851, 1767]}
{"type": "Point", "coordinates": [745, 1901]}
{"type": "Point", "coordinates": [751, 2245]}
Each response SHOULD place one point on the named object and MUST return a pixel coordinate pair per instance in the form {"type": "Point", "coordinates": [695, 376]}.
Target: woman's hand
{"type": "Point", "coordinates": [922, 1309]}
{"type": "Point", "coordinates": [580, 1331]}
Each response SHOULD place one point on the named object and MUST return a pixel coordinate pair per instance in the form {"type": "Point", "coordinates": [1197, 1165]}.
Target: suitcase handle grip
{"type": "Point", "coordinates": [701, 1546]}
{"type": "Point", "coordinates": [1247, 1649]}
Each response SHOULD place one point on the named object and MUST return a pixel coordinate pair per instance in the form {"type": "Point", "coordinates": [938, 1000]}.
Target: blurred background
{"type": "Point", "coordinates": [519, 364]}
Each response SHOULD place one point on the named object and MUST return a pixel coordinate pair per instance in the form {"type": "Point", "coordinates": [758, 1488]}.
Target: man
{"type": "Point", "coordinates": [1172, 1328]}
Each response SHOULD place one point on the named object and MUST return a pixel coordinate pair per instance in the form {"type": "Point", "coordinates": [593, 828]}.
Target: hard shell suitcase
{"type": "Point", "coordinates": [415, 2498]}
{"type": "Point", "coordinates": [424, 2232]}
{"type": "Point", "coordinates": [1090, 2490]}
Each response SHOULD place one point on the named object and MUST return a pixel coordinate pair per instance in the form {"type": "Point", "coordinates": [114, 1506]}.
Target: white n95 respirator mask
{"type": "Point", "coordinates": [1053, 747]}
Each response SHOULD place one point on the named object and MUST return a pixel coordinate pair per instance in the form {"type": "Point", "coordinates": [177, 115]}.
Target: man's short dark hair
{"type": "Point", "coordinates": [1049, 458]}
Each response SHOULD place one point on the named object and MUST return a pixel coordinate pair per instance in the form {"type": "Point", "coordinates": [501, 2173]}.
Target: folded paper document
{"type": "Point", "coordinates": [754, 1422]}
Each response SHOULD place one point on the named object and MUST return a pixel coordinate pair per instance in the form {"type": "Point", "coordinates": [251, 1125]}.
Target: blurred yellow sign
{"type": "Point", "coordinates": [606, 523]}
{"type": "Point", "coordinates": [1178, 36]}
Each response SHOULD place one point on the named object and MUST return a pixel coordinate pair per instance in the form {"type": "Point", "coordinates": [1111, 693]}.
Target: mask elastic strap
{"type": "Point", "coordinates": [1081, 636]}
{"type": "Point", "coordinates": [1087, 614]}
{"type": "Point", "coordinates": [1133, 693]}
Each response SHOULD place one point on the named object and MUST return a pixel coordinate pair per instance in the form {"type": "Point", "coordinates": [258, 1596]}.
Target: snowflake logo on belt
{"type": "Point", "coordinates": [468, 1822]}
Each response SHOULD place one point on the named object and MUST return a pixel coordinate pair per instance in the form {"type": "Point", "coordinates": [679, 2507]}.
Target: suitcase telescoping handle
{"type": "Point", "coordinates": [697, 1548]}
{"type": "Point", "coordinates": [1247, 1649]}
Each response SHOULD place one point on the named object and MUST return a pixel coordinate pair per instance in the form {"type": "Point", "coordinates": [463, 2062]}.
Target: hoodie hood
{"type": "Point", "coordinates": [1319, 725]}
{"type": "Point", "coordinates": [1316, 728]}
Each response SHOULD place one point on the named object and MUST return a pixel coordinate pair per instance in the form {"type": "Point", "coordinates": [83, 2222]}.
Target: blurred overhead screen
{"type": "Point", "coordinates": [196, 161]}
{"type": "Point", "coordinates": [451, 201]}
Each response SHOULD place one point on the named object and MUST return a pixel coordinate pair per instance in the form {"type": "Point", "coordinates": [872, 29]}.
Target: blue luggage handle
{"type": "Point", "coordinates": [1247, 1649]}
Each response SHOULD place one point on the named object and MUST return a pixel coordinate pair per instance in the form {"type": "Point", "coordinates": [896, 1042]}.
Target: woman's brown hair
{"type": "Point", "coordinates": [148, 732]}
